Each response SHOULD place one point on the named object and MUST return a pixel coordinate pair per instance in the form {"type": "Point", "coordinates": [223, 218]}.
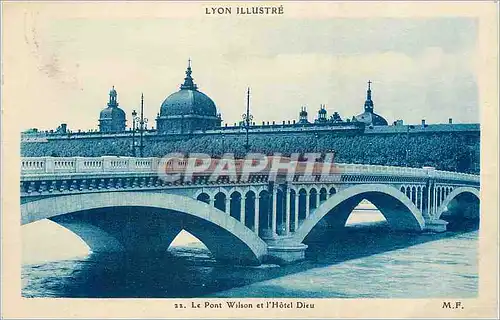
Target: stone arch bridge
{"type": "Point", "coordinates": [121, 203]}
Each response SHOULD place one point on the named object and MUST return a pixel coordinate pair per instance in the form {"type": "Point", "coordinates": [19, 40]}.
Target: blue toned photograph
{"type": "Point", "coordinates": [250, 157]}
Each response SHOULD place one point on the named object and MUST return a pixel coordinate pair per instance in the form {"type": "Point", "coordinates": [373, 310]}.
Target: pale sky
{"type": "Point", "coordinates": [420, 68]}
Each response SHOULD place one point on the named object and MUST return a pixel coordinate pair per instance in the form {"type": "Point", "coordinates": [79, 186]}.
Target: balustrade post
{"type": "Point", "coordinates": [49, 164]}
{"type": "Point", "coordinates": [79, 164]}
{"type": "Point", "coordinates": [154, 164]}
{"type": "Point", "coordinates": [132, 164]}
{"type": "Point", "coordinates": [106, 163]}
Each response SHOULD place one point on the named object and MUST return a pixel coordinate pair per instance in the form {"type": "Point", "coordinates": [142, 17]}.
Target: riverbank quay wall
{"type": "Point", "coordinates": [450, 147]}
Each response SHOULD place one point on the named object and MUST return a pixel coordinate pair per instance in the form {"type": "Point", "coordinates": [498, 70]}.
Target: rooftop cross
{"type": "Point", "coordinates": [369, 102]}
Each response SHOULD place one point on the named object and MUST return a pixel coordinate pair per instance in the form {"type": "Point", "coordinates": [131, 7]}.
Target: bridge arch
{"type": "Point", "coordinates": [204, 197]}
{"type": "Point", "coordinates": [332, 191]}
{"type": "Point", "coordinates": [462, 201]}
{"type": "Point", "coordinates": [313, 198]}
{"type": "Point", "coordinates": [221, 200]}
{"type": "Point", "coordinates": [235, 204]}
{"type": "Point", "coordinates": [250, 204]}
{"type": "Point", "coordinates": [148, 221]}
{"type": "Point", "coordinates": [396, 207]}
{"type": "Point", "coordinates": [199, 194]}
{"type": "Point", "coordinates": [323, 194]}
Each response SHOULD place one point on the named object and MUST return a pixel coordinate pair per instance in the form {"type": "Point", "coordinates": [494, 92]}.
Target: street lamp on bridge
{"type": "Point", "coordinates": [135, 120]}
{"type": "Point", "coordinates": [142, 122]}
{"type": "Point", "coordinates": [247, 119]}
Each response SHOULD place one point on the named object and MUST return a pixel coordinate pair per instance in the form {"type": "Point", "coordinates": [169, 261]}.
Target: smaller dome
{"type": "Point", "coordinates": [370, 118]}
{"type": "Point", "coordinates": [112, 113]}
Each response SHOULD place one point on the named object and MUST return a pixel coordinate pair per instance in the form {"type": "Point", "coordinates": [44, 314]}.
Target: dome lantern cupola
{"type": "Point", "coordinates": [188, 80]}
{"type": "Point", "coordinates": [322, 114]}
{"type": "Point", "coordinates": [303, 115]}
{"type": "Point", "coordinates": [112, 98]}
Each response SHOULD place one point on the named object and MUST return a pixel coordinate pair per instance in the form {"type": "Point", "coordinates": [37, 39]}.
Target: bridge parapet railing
{"type": "Point", "coordinates": [33, 165]}
{"type": "Point", "coordinates": [447, 175]}
{"type": "Point", "coordinates": [345, 168]}
{"type": "Point", "coordinates": [47, 165]}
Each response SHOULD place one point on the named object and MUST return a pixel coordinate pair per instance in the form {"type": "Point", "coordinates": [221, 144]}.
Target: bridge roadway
{"type": "Point", "coordinates": [121, 203]}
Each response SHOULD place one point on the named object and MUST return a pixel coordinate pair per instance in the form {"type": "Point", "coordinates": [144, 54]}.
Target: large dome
{"type": "Point", "coordinates": [187, 110]}
{"type": "Point", "coordinates": [188, 102]}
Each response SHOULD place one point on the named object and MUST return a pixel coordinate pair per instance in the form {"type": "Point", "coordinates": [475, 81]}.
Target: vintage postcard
{"type": "Point", "coordinates": [249, 159]}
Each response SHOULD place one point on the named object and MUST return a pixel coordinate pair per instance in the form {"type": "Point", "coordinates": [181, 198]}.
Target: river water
{"type": "Point", "coordinates": [365, 260]}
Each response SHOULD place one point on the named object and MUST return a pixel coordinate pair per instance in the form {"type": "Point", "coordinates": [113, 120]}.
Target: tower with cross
{"type": "Point", "coordinates": [369, 117]}
{"type": "Point", "coordinates": [369, 101]}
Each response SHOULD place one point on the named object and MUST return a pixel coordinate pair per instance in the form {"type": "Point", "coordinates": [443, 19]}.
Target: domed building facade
{"type": "Point", "coordinates": [112, 118]}
{"type": "Point", "coordinates": [187, 110]}
{"type": "Point", "coordinates": [369, 117]}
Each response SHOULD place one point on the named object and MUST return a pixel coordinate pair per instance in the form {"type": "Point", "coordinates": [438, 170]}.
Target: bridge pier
{"type": "Point", "coordinates": [435, 225]}
{"type": "Point", "coordinates": [284, 250]}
